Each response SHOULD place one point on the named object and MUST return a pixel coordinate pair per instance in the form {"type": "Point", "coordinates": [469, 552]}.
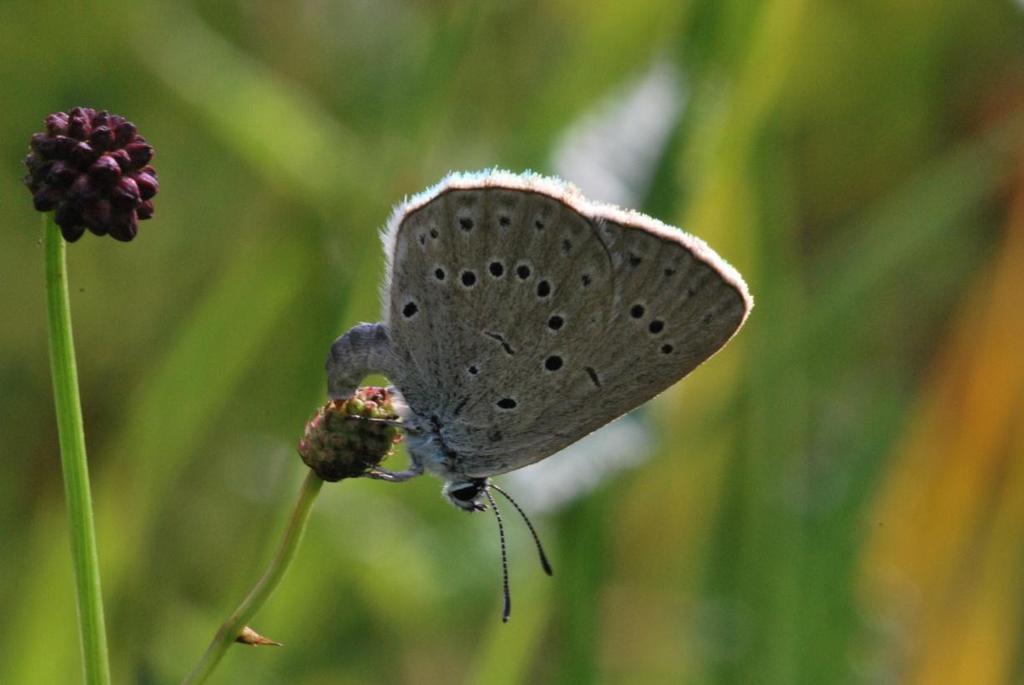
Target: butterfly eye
{"type": "Point", "coordinates": [467, 493]}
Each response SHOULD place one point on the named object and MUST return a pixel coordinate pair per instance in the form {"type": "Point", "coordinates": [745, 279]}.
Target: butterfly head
{"type": "Point", "coordinates": [467, 493]}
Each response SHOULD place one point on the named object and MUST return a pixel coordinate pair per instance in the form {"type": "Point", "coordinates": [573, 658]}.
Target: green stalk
{"type": "Point", "coordinates": [84, 557]}
{"type": "Point", "coordinates": [265, 586]}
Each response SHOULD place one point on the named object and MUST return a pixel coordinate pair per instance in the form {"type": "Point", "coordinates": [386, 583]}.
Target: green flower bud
{"type": "Point", "coordinates": [345, 438]}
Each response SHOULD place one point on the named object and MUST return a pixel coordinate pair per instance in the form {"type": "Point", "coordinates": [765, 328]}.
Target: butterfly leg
{"type": "Point", "coordinates": [363, 350]}
{"type": "Point", "coordinates": [378, 473]}
{"type": "Point", "coordinates": [415, 469]}
{"type": "Point", "coordinates": [397, 423]}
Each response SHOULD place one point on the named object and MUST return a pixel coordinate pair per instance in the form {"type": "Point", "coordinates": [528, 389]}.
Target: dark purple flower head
{"type": "Point", "coordinates": [92, 168]}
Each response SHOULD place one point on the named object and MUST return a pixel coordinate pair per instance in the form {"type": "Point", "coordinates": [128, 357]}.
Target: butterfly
{"type": "Point", "coordinates": [518, 316]}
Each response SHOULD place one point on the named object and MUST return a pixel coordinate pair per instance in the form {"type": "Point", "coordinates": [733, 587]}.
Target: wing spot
{"type": "Point", "coordinates": [553, 363]}
{"type": "Point", "coordinates": [666, 349]}
{"type": "Point", "coordinates": [439, 274]}
{"type": "Point", "coordinates": [634, 259]}
{"type": "Point", "coordinates": [497, 269]}
{"type": "Point", "coordinates": [538, 224]}
{"type": "Point", "coordinates": [473, 370]}
{"type": "Point", "coordinates": [657, 326]}
{"type": "Point", "coordinates": [433, 233]}
{"type": "Point", "coordinates": [523, 271]}
{"type": "Point", "coordinates": [669, 273]}
{"type": "Point", "coordinates": [468, 278]}
{"type": "Point", "coordinates": [556, 322]}
{"type": "Point", "coordinates": [586, 280]}
{"type": "Point", "coordinates": [422, 237]}
{"type": "Point", "coordinates": [566, 246]}
{"type": "Point", "coordinates": [593, 376]}
{"type": "Point", "coordinates": [504, 221]}
{"type": "Point", "coordinates": [410, 309]}
{"type": "Point", "coordinates": [637, 311]}
{"type": "Point", "coordinates": [543, 289]}
{"type": "Point", "coordinates": [507, 403]}
{"type": "Point", "coordinates": [466, 223]}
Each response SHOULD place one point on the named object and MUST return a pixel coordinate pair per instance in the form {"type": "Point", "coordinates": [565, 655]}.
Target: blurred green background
{"type": "Point", "coordinates": [837, 497]}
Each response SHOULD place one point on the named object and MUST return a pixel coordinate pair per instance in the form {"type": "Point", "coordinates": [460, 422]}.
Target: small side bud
{"type": "Point", "coordinates": [346, 438]}
{"type": "Point", "coordinates": [248, 636]}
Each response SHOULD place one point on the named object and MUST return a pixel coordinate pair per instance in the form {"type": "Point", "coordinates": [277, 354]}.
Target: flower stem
{"type": "Point", "coordinates": [264, 587]}
{"type": "Point", "coordinates": [73, 461]}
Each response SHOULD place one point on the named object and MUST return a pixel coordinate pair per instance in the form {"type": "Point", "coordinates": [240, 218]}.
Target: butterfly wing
{"type": "Point", "coordinates": [526, 317]}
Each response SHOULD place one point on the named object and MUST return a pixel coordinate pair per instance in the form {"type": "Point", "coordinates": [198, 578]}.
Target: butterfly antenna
{"type": "Point", "coordinates": [536, 538]}
{"type": "Point", "coordinates": [507, 611]}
